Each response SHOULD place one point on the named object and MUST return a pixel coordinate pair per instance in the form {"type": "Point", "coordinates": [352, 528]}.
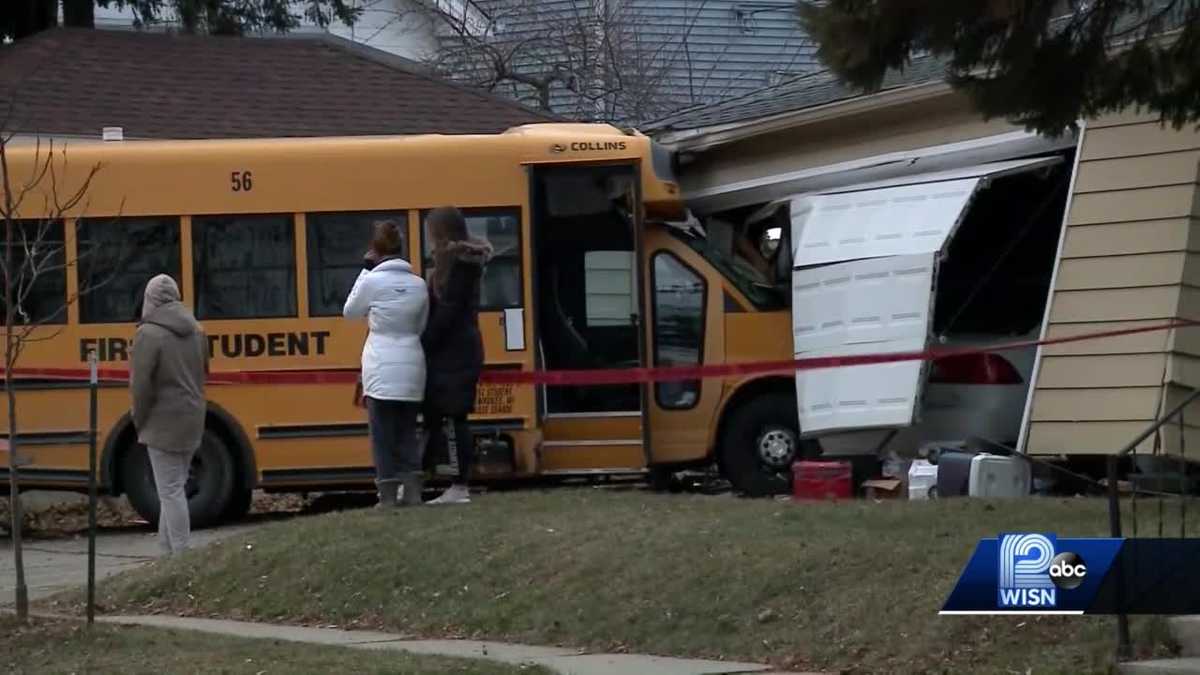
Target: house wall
{"type": "Point", "coordinates": [946, 119]}
{"type": "Point", "coordinates": [1131, 258]}
{"type": "Point", "coordinates": [396, 26]}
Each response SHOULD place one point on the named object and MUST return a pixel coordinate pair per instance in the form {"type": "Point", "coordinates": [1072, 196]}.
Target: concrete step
{"type": "Point", "coordinates": [1186, 631]}
{"type": "Point", "coordinates": [1161, 667]}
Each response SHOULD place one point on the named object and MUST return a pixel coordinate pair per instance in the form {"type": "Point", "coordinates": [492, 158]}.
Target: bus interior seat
{"type": "Point", "coordinates": [568, 347]}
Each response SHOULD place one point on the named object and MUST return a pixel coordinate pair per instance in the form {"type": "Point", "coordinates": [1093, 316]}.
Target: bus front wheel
{"type": "Point", "coordinates": [210, 487]}
{"type": "Point", "coordinates": [759, 444]}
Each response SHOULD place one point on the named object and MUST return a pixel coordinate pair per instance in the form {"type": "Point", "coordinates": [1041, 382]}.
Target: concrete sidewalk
{"type": "Point", "coordinates": [560, 660]}
{"type": "Point", "coordinates": [61, 564]}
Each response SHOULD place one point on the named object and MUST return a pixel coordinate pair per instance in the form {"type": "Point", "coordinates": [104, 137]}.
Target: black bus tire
{"type": "Point", "coordinates": [239, 504]}
{"type": "Point", "coordinates": [211, 482]}
{"type": "Point", "coordinates": [760, 441]}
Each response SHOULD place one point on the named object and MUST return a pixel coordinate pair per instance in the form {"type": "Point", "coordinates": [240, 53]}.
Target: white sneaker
{"type": "Point", "coordinates": [455, 494]}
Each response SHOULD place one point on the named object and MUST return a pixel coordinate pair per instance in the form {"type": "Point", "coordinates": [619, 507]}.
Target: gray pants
{"type": "Point", "coordinates": [395, 448]}
{"type": "Point", "coordinates": [170, 477]}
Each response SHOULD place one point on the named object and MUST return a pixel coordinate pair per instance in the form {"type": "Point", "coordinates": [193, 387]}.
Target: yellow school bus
{"type": "Point", "coordinates": [592, 270]}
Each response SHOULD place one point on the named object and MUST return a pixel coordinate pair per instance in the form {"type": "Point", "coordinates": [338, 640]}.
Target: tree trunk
{"type": "Point", "coordinates": [21, 592]}
{"type": "Point", "coordinates": [79, 13]}
{"type": "Point", "coordinates": [32, 16]}
{"type": "Point", "coordinates": [14, 484]}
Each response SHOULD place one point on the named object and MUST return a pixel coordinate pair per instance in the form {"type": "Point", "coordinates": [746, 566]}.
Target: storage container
{"type": "Point", "coordinates": [999, 476]}
{"type": "Point", "coordinates": [954, 473]}
{"type": "Point", "coordinates": [822, 480]}
{"type": "Point", "coordinates": [922, 479]}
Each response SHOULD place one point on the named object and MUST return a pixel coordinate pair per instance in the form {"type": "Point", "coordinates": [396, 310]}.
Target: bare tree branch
{"type": "Point", "coordinates": [585, 59]}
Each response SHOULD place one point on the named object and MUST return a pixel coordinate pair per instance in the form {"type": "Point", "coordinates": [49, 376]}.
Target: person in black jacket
{"type": "Point", "coordinates": [452, 342]}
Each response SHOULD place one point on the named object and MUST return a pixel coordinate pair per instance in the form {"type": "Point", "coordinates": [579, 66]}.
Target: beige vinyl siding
{"type": "Point", "coordinates": [1151, 341]}
{"type": "Point", "coordinates": [949, 119]}
{"type": "Point", "coordinates": [1115, 304]}
{"type": "Point", "coordinates": [1121, 271]}
{"type": "Point", "coordinates": [1138, 140]}
{"type": "Point", "coordinates": [1178, 168]}
{"type": "Point", "coordinates": [1124, 206]}
{"type": "Point", "coordinates": [1101, 371]}
{"type": "Point", "coordinates": [1092, 438]}
{"type": "Point", "coordinates": [1130, 259]}
{"type": "Point", "coordinates": [1112, 404]}
{"type": "Point", "coordinates": [1112, 239]}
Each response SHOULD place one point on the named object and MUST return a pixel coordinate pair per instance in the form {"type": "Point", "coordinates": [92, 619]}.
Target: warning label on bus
{"type": "Point", "coordinates": [494, 399]}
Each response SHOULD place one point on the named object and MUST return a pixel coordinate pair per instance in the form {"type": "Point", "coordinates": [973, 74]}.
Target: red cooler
{"type": "Point", "coordinates": [822, 480]}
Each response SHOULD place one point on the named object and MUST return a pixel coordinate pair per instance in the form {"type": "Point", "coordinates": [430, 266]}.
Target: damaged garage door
{"type": "Point", "coordinates": [865, 260]}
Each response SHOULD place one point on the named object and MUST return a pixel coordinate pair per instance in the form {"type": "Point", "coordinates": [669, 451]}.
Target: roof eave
{"type": "Point", "coordinates": [706, 138]}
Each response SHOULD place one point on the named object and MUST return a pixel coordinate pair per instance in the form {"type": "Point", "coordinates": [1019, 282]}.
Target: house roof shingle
{"type": "Point", "coordinates": [821, 88]}
{"type": "Point", "coordinates": [668, 54]}
{"type": "Point", "coordinates": [155, 85]}
{"type": "Point", "coordinates": [798, 93]}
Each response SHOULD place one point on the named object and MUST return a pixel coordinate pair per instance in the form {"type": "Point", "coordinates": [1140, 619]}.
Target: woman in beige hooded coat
{"type": "Point", "coordinates": [168, 369]}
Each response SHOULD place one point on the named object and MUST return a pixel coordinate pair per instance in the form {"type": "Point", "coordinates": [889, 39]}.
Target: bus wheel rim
{"type": "Point", "coordinates": [777, 447]}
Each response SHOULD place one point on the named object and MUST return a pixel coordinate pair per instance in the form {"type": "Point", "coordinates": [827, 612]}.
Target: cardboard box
{"type": "Point", "coordinates": [884, 488]}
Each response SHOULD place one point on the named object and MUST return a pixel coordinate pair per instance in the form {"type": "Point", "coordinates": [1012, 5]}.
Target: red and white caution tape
{"type": "Point", "coordinates": [616, 376]}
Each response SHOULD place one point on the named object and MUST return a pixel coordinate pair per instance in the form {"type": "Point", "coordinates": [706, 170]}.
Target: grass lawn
{"type": "Point", "coordinates": [852, 587]}
{"type": "Point", "coordinates": [69, 647]}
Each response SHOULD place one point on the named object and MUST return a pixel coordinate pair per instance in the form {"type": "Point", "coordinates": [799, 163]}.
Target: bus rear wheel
{"type": "Point", "coordinates": [760, 442]}
{"type": "Point", "coordinates": [211, 486]}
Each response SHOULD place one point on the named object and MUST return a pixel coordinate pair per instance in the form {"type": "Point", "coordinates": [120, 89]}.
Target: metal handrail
{"type": "Point", "coordinates": [1124, 642]}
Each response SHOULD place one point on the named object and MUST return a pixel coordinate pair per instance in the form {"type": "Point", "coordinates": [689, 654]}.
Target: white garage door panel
{"type": "Point", "coordinates": [871, 306]}
{"type": "Point", "coordinates": [892, 233]}
{"type": "Point", "coordinates": [902, 216]}
{"type": "Point", "coordinates": [891, 221]}
{"type": "Point", "coordinates": [882, 300]}
{"type": "Point", "coordinates": [858, 397]}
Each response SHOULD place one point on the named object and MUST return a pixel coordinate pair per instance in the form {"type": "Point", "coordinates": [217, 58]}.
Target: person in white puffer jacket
{"type": "Point", "coordinates": [395, 302]}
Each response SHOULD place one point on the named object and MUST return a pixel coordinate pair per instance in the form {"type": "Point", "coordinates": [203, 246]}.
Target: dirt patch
{"type": "Point", "coordinates": [70, 518]}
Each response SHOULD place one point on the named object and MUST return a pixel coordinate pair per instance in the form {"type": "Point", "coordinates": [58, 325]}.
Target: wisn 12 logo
{"type": "Point", "coordinates": [1032, 573]}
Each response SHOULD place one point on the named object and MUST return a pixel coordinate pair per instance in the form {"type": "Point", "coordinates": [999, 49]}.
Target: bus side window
{"type": "Point", "coordinates": [502, 277]}
{"type": "Point", "coordinates": [117, 256]}
{"type": "Point", "coordinates": [336, 244]}
{"type": "Point", "coordinates": [679, 315]}
{"type": "Point", "coordinates": [46, 300]}
{"type": "Point", "coordinates": [244, 266]}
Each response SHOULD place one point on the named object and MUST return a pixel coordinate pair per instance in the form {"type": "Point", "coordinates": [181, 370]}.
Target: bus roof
{"type": "Point", "coordinates": [159, 177]}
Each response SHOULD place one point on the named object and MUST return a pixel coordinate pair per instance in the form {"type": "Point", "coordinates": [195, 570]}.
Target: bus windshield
{"type": "Point", "coordinates": [753, 284]}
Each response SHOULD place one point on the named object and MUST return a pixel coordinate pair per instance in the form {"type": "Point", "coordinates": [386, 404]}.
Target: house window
{"type": "Point", "coordinates": [40, 272]}
{"type": "Point", "coordinates": [501, 286]}
{"type": "Point", "coordinates": [336, 244]}
{"type": "Point", "coordinates": [244, 266]}
{"type": "Point", "coordinates": [117, 256]}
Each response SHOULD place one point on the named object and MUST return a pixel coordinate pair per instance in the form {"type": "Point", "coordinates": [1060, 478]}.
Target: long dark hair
{"type": "Point", "coordinates": [446, 226]}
